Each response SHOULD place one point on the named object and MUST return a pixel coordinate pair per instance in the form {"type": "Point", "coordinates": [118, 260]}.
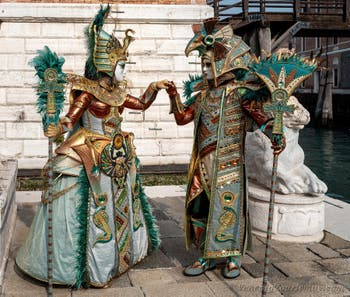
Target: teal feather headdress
{"type": "Point", "coordinates": [50, 89]}
{"type": "Point", "coordinates": [105, 50]}
{"type": "Point", "coordinates": [90, 34]}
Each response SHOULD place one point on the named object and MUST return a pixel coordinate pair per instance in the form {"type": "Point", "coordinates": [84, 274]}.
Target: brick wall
{"type": "Point", "coordinates": [162, 31]}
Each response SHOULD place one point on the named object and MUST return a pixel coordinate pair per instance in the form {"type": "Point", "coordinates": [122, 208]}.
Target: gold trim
{"type": "Point", "coordinates": [116, 97]}
{"type": "Point", "coordinates": [229, 178]}
{"type": "Point", "coordinates": [222, 254]}
{"type": "Point", "coordinates": [57, 194]}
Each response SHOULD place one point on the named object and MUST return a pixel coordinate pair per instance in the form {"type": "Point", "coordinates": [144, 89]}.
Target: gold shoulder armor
{"type": "Point", "coordinates": [114, 97]}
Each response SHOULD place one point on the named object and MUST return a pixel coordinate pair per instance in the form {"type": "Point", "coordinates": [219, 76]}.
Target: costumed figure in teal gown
{"type": "Point", "coordinates": [102, 221]}
{"type": "Point", "coordinates": [224, 102]}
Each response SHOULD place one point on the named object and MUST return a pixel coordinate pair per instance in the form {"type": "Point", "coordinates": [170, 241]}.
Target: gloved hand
{"type": "Point", "coordinates": [278, 140]}
{"type": "Point", "coordinates": [162, 84]}
{"type": "Point", "coordinates": [53, 130]}
{"type": "Point", "coordinates": [172, 90]}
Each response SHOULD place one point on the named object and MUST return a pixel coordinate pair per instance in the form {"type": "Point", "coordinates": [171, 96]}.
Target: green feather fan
{"type": "Point", "coordinates": [284, 70]}
{"type": "Point", "coordinates": [48, 68]}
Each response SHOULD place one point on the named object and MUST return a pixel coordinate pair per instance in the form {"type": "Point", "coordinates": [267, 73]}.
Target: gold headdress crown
{"type": "Point", "coordinates": [109, 51]}
{"type": "Point", "coordinates": [226, 51]}
{"type": "Point", "coordinates": [105, 50]}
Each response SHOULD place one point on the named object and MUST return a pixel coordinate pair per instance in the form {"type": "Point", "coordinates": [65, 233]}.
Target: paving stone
{"type": "Point", "coordinates": [151, 277]}
{"type": "Point", "coordinates": [215, 275]}
{"type": "Point", "coordinates": [159, 214]}
{"type": "Point", "coordinates": [155, 260]}
{"type": "Point", "coordinates": [337, 265]}
{"type": "Point", "coordinates": [13, 292]}
{"type": "Point", "coordinates": [160, 274]}
{"type": "Point", "coordinates": [177, 274]}
{"type": "Point", "coordinates": [345, 252]}
{"type": "Point", "coordinates": [295, 252]}
{"type": "Point", "coordinates": [25, 215]}
{"type": "Point", "coordinates": [173, 207]}
{"type": "Point", "coordinates": [335, 242]}
{"type": "Point", "coordinates": [299, 269]}
{"type": "Point", "coordinates": [121, 281]}
{"type": "Point", "coordinates": [323, 251]}
{"type": "Point", "coordinates": [17, 284]}
{"type": "Point", "coordinates": [108, 292]}
{"type": "Point", "coordinates": [246, 259]}
{"type": "Point", "coordinates": [169, 229]}
{"type": "Point", "coordinates": [320, 286]}
{"type": "Point", "coordinates": [179, 290]}
{"type": "Point", "coordinates": [174, 248]}
{"type": "Point", "coordinates": [166, 191]}
{"type": "Point", "coordinates": [242, 288]}
{"type": "Point", "coordinates": [256, 270]}
{"type": "Point", "coordinates": [341, 279]}
{"type": "Point", "coordinates": [257, 252]}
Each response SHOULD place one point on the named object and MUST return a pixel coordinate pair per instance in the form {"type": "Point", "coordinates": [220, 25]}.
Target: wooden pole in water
{"type": "Point", "coordinates": [320, 97]}
{"type": "Point", "coordinates": [327, 110]}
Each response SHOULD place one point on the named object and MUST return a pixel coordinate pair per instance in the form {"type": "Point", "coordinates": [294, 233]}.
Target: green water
{"type": "Point", "coordinates": [327, 154]}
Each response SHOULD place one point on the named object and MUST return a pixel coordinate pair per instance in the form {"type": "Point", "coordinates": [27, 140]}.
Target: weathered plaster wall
{"type": "Point", "coordinates": [162, 32]}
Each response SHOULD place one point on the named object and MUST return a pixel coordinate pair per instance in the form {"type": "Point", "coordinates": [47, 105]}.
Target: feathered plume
{"type": "Point", "coordinates": [192, 85]}
{"type": "Point", "coordinates": [90, 35]}
{"type": "Point", "coordinates": [50, 89]}
{"type": "Point", "coordinates": [284, 69]}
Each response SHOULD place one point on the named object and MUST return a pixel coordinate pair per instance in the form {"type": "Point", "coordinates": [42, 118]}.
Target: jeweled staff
{"type": "Point", "coordinates": [282, 72]}
{"type": "Point", "coordinates": [50, 92]}
{"type": "Point", "coordinates": [277, 107]}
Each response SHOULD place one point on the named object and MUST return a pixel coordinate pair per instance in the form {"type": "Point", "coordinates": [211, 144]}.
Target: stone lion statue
{"type": "Point", "coordinates": [292, 175]}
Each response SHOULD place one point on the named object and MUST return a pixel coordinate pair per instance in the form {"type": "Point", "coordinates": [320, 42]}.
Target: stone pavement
{"type": "Point", "coordinates": [303, 270]}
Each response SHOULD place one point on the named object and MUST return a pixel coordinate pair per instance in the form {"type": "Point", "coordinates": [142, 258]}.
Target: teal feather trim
{"type": "Point", "coordinates": [82, 217]}
{"type": "Point", "coordinates": [190, 84]}
{"type": "Point", "coordinates": [95, 170]}
{"type": "Point", "coordinates": [152, 228]}
{"type": "Point", "coordinates": [90, 68]}
{"type": "Point", "coordinates": [193, 84]}
{"type": "Point", "coordinates": [190, 101]}
{"type": "Point", "coordinates": [45, 60]}
{"type": "Point", "coordinates": [276, 61]}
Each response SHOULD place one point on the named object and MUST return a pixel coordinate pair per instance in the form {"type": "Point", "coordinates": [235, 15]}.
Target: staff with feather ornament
{"type": "Point", "coordinates": [282, 72]}
{"type": "Point", "coordinates": [50, 92]}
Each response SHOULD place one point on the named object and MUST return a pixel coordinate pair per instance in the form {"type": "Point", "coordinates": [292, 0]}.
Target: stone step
{"type": "Point", "coordinates": [8, 175]}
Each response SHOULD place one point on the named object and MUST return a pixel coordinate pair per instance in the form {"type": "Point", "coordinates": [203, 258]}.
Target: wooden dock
{"type": "Point", "coordinates": [307, 17]}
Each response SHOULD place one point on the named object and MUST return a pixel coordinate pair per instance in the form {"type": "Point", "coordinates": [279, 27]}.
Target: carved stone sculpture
{"type": "Point", "coordinates": [293, 175]}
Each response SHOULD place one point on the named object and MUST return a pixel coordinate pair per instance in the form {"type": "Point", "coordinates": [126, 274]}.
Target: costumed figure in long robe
{"type": "Point", "coordinates": [102, 221]}
{"type": "Point", "coordinates": [223, 103]}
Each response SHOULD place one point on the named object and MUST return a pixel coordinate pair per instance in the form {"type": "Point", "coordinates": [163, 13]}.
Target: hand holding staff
{"type": "Point", "coordinates": [50, 91]}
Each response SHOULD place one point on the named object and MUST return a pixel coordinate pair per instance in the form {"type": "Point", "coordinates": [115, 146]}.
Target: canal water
{"type": "Point", "coordinates": [327, 154]}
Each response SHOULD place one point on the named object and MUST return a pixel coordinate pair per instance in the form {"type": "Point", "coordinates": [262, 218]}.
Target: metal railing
{"type": "Point", "coordinates": [242, 9]}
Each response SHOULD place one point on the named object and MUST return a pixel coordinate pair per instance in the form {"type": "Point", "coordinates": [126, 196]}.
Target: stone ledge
{"type": "Point", "coordinates": [168, 191]}
{"type": "Point", "coordinates": [8, 173]}
{"type": "Point", "coordinates": [57, 12]}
